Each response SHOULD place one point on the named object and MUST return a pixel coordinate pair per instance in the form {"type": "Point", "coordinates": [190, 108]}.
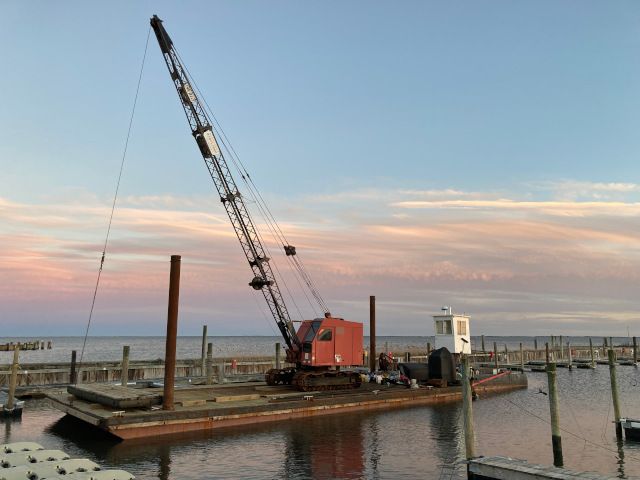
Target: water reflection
{"type": "Point", "coordinates": [164, 453]}
{"type": "Point", "coordinates": [421, 442]}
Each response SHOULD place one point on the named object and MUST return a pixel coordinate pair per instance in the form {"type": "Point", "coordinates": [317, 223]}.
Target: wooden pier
{"type": "Point", "coordinates": [208, 407]}
{"type": "Point", "coordinates": [34, 345]}
{"type": "Point", "coordinates": [56, 374]}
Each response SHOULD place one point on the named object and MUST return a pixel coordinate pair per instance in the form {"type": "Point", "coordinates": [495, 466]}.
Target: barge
{"type": "Point", "coordinates": [136, 412]}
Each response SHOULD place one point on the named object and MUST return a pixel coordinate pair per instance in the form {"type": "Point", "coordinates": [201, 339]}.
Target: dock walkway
{"type": "Point", "coordinates": [504, 468]}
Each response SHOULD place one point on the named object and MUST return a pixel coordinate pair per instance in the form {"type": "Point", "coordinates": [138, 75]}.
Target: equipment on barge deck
{"type": "Point", "coordinates": [321, 346]}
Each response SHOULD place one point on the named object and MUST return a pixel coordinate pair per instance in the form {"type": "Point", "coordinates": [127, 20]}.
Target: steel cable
{"type": "Point", "coordinates": [113, 205]}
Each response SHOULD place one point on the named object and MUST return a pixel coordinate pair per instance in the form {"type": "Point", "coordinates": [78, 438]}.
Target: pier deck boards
{"type": "Point", "coordinates": [503, 468]}
{"type": "Point", "coordinates": [218, 406]}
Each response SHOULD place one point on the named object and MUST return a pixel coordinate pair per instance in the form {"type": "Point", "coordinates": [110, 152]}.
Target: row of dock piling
{"type": "Point", "coordinates": [35, 345]}
{"type": "Point", "coordinates": [501, 468]}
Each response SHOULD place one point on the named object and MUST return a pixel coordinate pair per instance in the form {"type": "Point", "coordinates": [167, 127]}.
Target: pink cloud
{"type": "Point", "coordinates": [548, 249]}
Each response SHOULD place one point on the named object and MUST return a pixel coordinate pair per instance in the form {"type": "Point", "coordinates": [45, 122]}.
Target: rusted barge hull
{"type": "Point", "coordinates": [213, 407]}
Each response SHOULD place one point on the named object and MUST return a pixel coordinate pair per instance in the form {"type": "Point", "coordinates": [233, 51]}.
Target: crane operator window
{"type": "Point", "coordinates": [315, 326]}
{"type": "Point", "coordinates": [325, 335]}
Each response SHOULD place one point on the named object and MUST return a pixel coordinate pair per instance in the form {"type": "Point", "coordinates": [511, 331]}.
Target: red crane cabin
{"type": "Point", "coordinates": [330, 342]}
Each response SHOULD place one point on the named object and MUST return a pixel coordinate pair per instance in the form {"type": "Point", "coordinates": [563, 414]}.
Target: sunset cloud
{"type": "Point", "coordinates": [499, 257]}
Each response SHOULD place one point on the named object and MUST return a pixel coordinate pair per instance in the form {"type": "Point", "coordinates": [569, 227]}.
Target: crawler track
{"type": "Point", "coordinates": [321, 381]}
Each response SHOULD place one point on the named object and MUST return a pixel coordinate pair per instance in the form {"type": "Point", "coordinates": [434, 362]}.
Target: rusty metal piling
{"type": "Point", "coordinates": [172, 334]}
{"type": "Point", "coordinates": [372, 333]}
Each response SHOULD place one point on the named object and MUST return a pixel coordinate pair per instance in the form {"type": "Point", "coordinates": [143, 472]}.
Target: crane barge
{"type": "Point", "coordinates": [321, 348]}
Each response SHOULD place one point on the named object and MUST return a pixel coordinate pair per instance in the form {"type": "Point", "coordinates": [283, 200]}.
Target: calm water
{"type": "Point", "coordinates": [420, 442]}
{"type": "Point", "coordinates": [151, 348]}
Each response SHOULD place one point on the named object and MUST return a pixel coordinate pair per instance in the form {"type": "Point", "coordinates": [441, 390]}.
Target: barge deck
{"type": "Point", "coordinates": [199, 408]}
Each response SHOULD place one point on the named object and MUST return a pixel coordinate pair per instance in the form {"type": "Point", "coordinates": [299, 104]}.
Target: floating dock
{"type": "Point", "coordinates": [129, 412]}
{"type": "Point", "coordinates": [504, 468]}
{"type": "Point", "coordinates": [30, 461]}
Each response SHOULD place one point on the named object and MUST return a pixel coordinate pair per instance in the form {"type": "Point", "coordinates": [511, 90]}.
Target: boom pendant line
{"type": "Point", "coordinates": [321, 346]}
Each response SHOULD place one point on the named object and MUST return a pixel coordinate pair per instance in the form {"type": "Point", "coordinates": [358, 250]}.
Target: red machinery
{"type": "Point", "coordinates": [321, 347]}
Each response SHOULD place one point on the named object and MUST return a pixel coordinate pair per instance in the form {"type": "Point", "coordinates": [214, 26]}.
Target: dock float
{"type": "Point", "coordinates": [30, 461]}
{"type": "Point", "coordinates": [504, 468]}
{"type": "Point", "coordinates": [130, 413]}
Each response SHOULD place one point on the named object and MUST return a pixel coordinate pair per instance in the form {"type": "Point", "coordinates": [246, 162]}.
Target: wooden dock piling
{"type": "Point", "coordinates": [124, 375]}
{"type": "Point", "coordinates": [73, 378]}
{"type": "Point", "coordinates": [554, 410]}
{"type": "Point", "coordinates": [469, 436]}
{"type": "Point", "coordinates": [593, 358]}
{"type": "Point", "coordinates": [482, 339]}
{"type": "Point", "coordinates": [521, 357]}
{"type": "Point", "coordinates": [614, 391]}
{"type": "Point", "coordinates": [495, 356]}
{"type": "Point", "coordinates": [221, 372]}
{"type": "Point", "coordinates": [204, 351]}
{"type": "Point", "coordinates": [210, 364]}
{"type": "Point", "coordinates": [569, 355]}
{"type": "Point", "coordinates": [14, 379]}
{"type": "Point", "coordinates": [635, 351]}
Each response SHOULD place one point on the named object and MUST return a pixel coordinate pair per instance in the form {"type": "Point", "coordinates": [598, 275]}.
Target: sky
{"type": "Point", "coordinates": [478, 154]}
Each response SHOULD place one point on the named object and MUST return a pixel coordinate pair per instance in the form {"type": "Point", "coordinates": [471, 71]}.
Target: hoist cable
{"type": "Point", "coordinates": [113, 205]}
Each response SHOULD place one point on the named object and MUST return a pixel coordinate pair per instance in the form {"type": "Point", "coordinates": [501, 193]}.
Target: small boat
{"type": "Point", "coordinates": [631, 428]}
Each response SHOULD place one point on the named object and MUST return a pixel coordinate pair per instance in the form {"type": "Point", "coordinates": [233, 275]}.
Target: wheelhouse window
{"type": "Point", "coordinates": [443, 327]}
{"type": "Point", "coordinates": [325, 335]}
{"type": "Point", "coordinates": [462, 327]}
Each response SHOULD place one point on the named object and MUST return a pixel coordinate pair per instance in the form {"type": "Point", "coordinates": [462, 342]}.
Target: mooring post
{"type": "Point", "coordinates": [561, 349]}
{"type": "Point", "coordinates": [482, 338]}
{"type": "Point", "coordinates": [635, 351]}
{"type": "Point", "coordinates": [221, 371]}
{"type": "Point", "coordinates": [124, 375]}
{"type": "Point", "coordinates": [14, 378]}
{"type": "Point", "coordinates": [278, 355]}
{"type": "Point", "coordinates": [569, 355]}
{"type": "Point", "coordinates": [72, 374]}
{"type": "Point", "coordinates": [506, 354]}
{"type": "Point", "coordinates": [469, 436]}
{"type": "Point", "coordinates": [203, 363]}
{"type": "Point", "coordinates": [554, 410]}
{"type": "Point", "coordinates": [614, 391]}
{"type": "Point", "coordinates": [521, 357]}
{"type": "Point", "coordinates": [535, 343]}
{"type": "Point", "coordinates": [210, 364]}
{"type": "Point", "coordinates": [372, 333]}
{"type": "Point", "coordinates": [172, 334]}
{"type": "Point", "coordinates": [495, 356]}
{"type": "Point", "coordinates": [593, 358]}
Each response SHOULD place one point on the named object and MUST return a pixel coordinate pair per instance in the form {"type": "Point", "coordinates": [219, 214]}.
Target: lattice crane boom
{"type": "Point", "coordinates": [202, 130]}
